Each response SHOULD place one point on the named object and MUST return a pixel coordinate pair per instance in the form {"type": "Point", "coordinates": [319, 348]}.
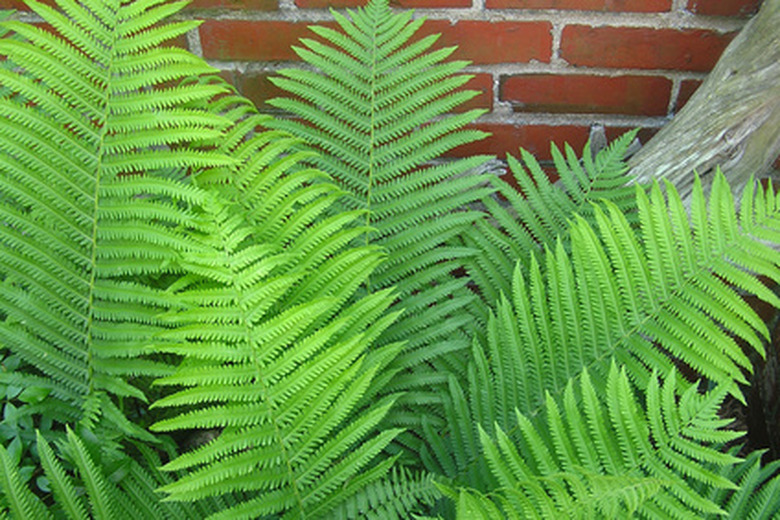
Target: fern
{"type": "Point", "coordinates": [524, 223]}
{"type": "Point", "coordinates": [290, 290]}
{"type": "Point", "coordinates": [373, 108]}
{"type": "Point", "coordinates": [613, 457]}
{"type": "Point", "coordinates": [396, 496]}
{"type": "Point", "coordinates": [273, 342]}
{"type": "Point", "coordinates": [88, 481]}
{"type": "Point", "coordinates": [79, 229]}
{"type": "Point", "coordinates": [756, 497]}
{"type": "Point", "coordinates": [644, 298]}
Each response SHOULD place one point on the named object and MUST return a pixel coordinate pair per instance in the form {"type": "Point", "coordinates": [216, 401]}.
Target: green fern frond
{"type": "Point", "coordinates": [16, 498]}
{"type": "Point", "coordinates": [374, 108]}
{"type": "Point", "coordinates": [5, 63]}
{"type": "Point", "coordinates": [649, 298]}
{"type": "Point", "coordinates": [524, 223]}
{"type": "Point", "coordinates": [757, 495]}
{"type": "Point", "coordinates": [473, 505]}
{"type": "Point", "coordinates": [62, 487]}
{"type": "Point", "coordinates": [612, 456]}
{"type": "Point", "coordinates": [87, 481]}
{"type": "Point", "coordinates": [273, 337]}
{"type": "Point", "coordinates": [80, 227]}
{"type": "Point", "coordinates": [100, 494]}
{"type": "Point", "coordinates": [398, 495]}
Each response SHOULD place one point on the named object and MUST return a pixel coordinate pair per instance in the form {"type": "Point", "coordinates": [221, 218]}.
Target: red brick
{"type": "Point", "coordinates": [249, 5]}
{"type": "Point", "coordinates": [231, 76]}
{"type": "Point", "coordinates": [634, 6]}
{"type": "Point", "coordinates": [644, 134]}
{"type": "Point", "coordinates": [494, 42]}
{"type": "Point", "coordinates": [179, 41]}
{"type": "Point", "coordinates": [687, 88]}
{"type": "Point", "coordinates": [19, 5]}
{"type": "Point", "coordinates": [642, 48]}
{"type": "Point", "coordinates": [252, 40]}
{"type": "Point", "coordinates": [259, 89]}
{"type": "Point", "coordinates": [435, 4]}
{"type": "Point", "coordinates": [484, 84]}
{"type": "Point", "coordinates": [724, 7]}
{"type": "Point", "coordinates": [534, 138]}
{"type": "Point", "coordinates": [633, 95]}
{"type": "Point", "coordinates": [479, 42]}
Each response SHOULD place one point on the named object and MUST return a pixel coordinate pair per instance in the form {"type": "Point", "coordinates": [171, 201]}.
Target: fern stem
{"type": "Point", "coordinates": [99, 154]}
{"type": "Point", "coordinates": [259, 375]}
{"type": "Point", "coordinates": [372, 137]}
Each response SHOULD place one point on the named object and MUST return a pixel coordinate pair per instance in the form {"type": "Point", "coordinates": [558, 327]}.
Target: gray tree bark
{"type": "Point", "coordinates": [731, 121]}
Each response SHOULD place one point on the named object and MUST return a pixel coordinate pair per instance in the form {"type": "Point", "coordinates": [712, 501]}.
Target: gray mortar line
{"type": "Point", "coordinates": [555, 57]}
{"type": "Point", "coordinates": [256, 67]}
{"type": "Point", "coordinates": [193, 42]}
{"type": "Point", "coordinates": [550, 119]}
{"type": "Point", "coordinates": [477, 6]}
{"type": "Point", "coordinates": [672, 20]}
{"type": "Point", "coordinates": [496, 71]}
{"type": "Point", "coordinates": [676, 83]}
{"type": "Point", "coordinates": [26, 17]}
{"type": "Point", "coordinates": [565, 69]}
{"type": "Point", "coordinates": [679, 6]}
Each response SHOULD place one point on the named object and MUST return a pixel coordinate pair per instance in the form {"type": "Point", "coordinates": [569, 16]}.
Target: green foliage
{"type": "Point", "coordinates": [374, 109]}
{"type": "Point", "coordinates": [83, 480]}
{"type": "Point", "coordinates": [757, 489]}
{"type": "Point", "coordinates": [605, 455]}
{"type": "Point", "coordinates": [80, 228]}
{"type": "Point", "coordinates": [273, 346]}
{"type": "Point", "coordinates": [631, 296]}
{"type": "Point", "coordinates": [174, 262]}
{"type": "Point", "coordinates": [522, 224]}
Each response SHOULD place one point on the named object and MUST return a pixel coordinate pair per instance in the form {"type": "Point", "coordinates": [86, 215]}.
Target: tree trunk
{"type": "Point", "coordinates": [732, 120]}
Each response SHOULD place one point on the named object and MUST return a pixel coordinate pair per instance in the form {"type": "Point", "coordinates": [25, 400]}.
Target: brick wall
{"type": "Point", "coordinates": [546, 69]}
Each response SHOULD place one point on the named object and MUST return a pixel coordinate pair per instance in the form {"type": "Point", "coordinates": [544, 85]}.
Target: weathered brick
{"type": "Point", "coordinates": [642, 47]}
{"type": "Point", "coordinates": [634, 6]}
{"type": "Point", "coordinates": [687, 88]}
{"type": "Point", "coordinates": [259, 89]}
{"type": "Point", "coordinates": [632, 95]}
{"type": "Point", "coordinates": [231, 76]}
{"type": "Point", "coordinates": [724, 7]}
{"type": "Point", "coordinates": [494, 42]}
{"type": "Point", "coordinates": [19, 5]}
{"type": "Point", "coordinates": [644, 134]}
{"type": "Point", "coordinates": [484, 84]}
{"type": "Point", "coordinates": [250, 5]}
{"type": "Point", "coordinates": [534, 138]}
{"type": "Point", "coordinates": [479, 42]}
{"type": "Point", "coordinates": [252, 40]}
{"type": "Point", "coordinates": [433, 4]}
{"type": "Point", "coordinates": [180, 41]}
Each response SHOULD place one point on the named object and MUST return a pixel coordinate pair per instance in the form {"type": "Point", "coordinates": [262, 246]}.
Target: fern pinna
{"type": "Point", "coordinates": [374, 109]}
{"type": "Point", "coordinates": [80, 228]}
